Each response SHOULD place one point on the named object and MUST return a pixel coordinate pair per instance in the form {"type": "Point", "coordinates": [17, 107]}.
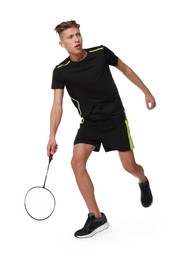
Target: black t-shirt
{"type": "Point", "coordinates": [90, 84]}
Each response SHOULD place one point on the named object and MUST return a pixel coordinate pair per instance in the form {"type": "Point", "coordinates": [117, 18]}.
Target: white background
{"type": "Point", "coordinates": [143, 35]}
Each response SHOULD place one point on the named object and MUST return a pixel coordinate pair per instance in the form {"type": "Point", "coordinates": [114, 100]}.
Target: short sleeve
{"type": "Point", "coordinates": [111, 58]}
{"type": "Point", "coordinates": [57, 80]}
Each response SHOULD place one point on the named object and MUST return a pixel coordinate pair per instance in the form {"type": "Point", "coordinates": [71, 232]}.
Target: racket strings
{"type": "Point", "coordinates": [39, 203]}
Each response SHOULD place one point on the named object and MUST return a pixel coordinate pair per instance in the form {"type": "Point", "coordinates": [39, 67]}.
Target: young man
{"type": "Point", "coordinates": [88, 80]}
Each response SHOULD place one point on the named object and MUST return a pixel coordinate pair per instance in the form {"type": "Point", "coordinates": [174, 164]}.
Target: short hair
{"type": "Point", "coordinates": [66, 25]}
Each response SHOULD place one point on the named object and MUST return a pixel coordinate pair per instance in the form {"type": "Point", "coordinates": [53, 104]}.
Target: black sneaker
{"type": "Point", "coordinates": [92, 226]}
{"type": "Point", "coordinates": [146, 195]}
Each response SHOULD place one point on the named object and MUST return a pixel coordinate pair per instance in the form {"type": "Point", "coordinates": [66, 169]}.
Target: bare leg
{"type": "Point", "coordinates": [130, 165]}
{"type": "Point", "coordinates": [81, 154]}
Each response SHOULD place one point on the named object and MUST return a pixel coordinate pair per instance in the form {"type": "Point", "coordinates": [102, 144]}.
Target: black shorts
{"type": "Point", "coordinates": [112, 138]}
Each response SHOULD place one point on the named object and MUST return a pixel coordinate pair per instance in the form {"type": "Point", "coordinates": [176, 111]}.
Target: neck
{"type": "Point", "coordinates": [78, 57]}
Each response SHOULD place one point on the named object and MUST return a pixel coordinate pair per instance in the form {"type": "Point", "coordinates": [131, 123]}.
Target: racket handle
{"type": "Point", "coordinates": [50, 158]}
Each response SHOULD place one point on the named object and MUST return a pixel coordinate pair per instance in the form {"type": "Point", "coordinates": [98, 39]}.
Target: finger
{"type": "Point", "coordinates": [48, 150]}
{"type": "Point", "coordinates": [54, 149]}
{"type": "Point", "coordinates": [151, 105]}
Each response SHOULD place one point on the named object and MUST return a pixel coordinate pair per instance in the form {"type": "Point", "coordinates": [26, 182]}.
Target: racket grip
{"type": "Point", "coordinates": [50, 158]}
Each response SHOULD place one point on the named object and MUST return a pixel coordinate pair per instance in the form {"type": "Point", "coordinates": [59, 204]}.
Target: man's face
{"type": "Point", "coordinates": [71, 40]}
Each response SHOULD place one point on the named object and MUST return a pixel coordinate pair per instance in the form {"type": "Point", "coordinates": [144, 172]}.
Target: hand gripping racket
{"type": "Point", "coordinates": [39, 201]}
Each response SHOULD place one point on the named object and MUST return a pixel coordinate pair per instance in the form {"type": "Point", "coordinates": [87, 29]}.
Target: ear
{"type": "Point", "coordinates": [61, 43]}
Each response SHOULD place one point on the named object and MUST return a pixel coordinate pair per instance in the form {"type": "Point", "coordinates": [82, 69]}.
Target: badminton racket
{"type": "Point", "coordinates": [39, 201]}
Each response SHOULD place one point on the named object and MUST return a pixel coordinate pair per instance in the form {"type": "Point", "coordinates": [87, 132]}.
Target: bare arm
{"type": "Point", "coordinates": [55, 119]}
{"type": "Point", "coordinates": [133, 77]}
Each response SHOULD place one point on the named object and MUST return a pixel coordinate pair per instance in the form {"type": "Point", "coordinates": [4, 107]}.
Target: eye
{"type": "Point", "coordinates": [70, 37]}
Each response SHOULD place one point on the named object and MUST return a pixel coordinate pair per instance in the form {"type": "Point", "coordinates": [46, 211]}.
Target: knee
{"type": "Point", "coordinates": [77, 165]}
{"type": "Point", "coordinates": [74, 163]}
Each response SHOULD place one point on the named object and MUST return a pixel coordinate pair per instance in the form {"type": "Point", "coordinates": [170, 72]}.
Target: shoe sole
{"type": "Point", "coordinates": [97, 230]}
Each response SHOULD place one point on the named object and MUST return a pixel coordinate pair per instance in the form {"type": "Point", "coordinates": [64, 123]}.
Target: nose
{"type": "Point", "coordinates": [76, 38]}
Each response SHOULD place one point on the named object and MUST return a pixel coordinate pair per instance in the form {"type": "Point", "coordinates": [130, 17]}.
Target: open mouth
{"type": "Point", "coordinates": [78, 46]}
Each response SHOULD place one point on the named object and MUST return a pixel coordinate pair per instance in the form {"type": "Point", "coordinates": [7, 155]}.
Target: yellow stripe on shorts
{"type": "Point", "coordinates": [129, 135]}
